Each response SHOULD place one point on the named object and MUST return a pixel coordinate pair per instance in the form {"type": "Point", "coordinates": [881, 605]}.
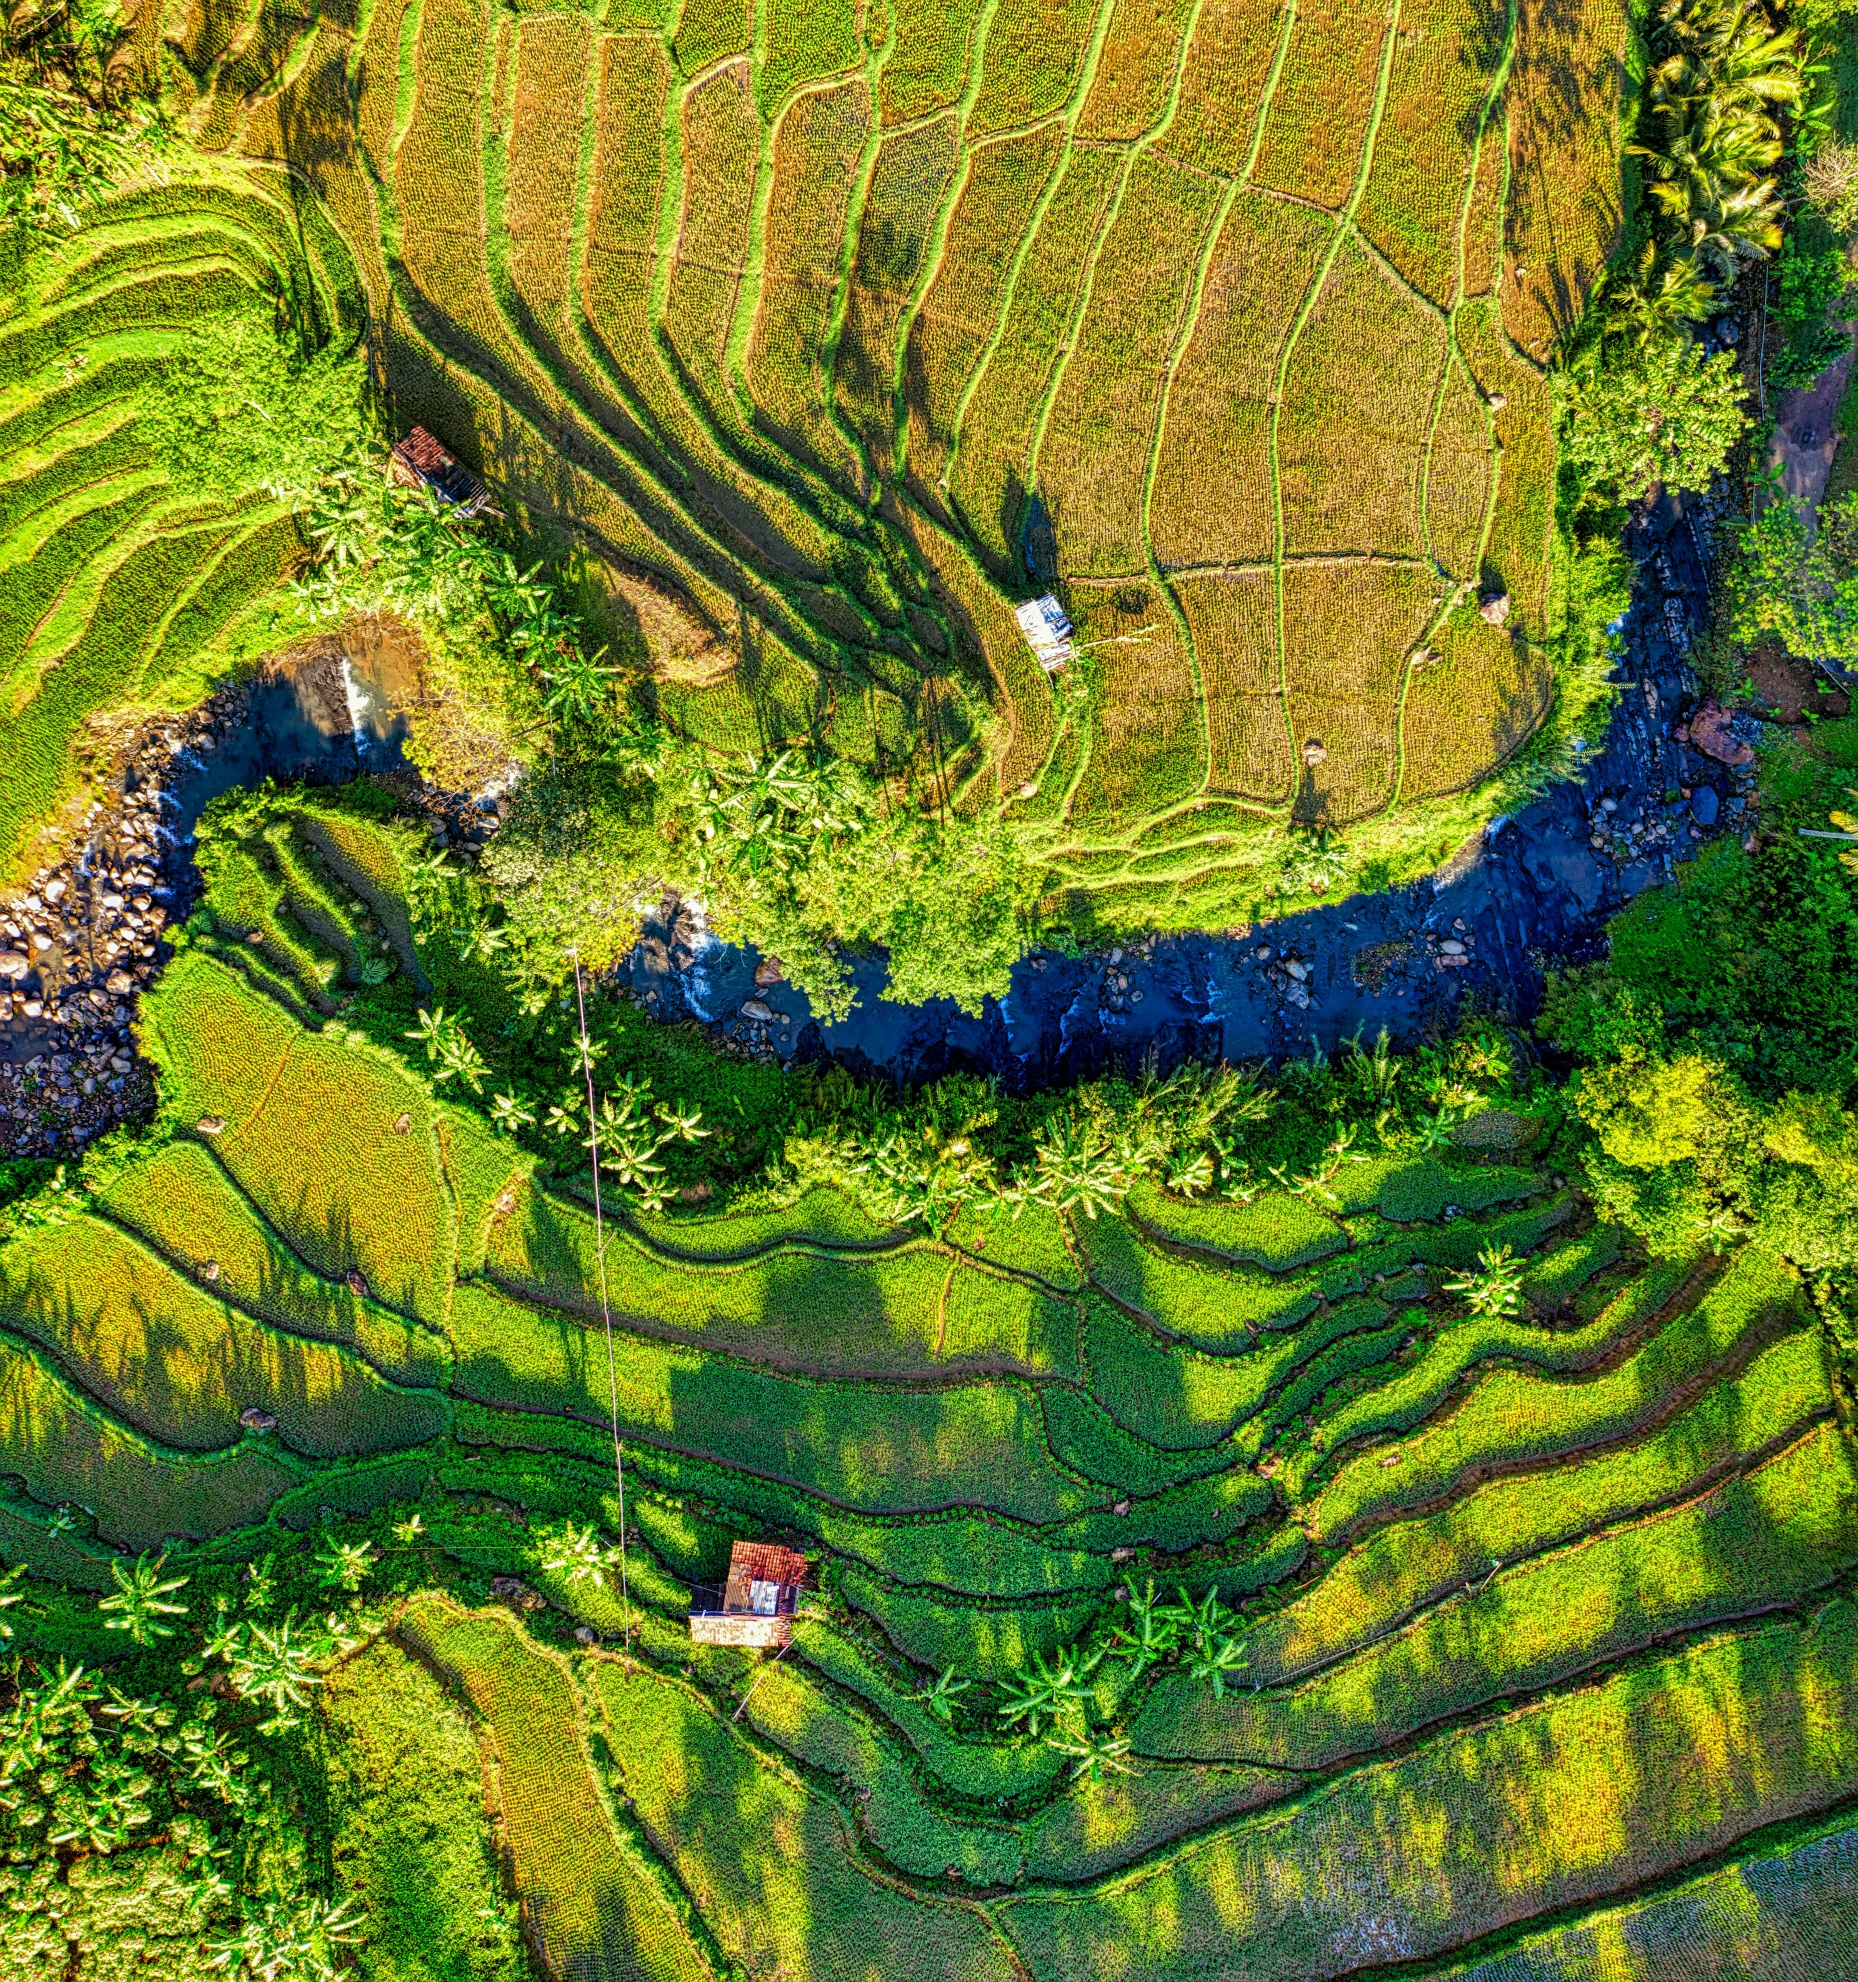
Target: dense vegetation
{"type": "Point", "coordinates": [1375, 1514]}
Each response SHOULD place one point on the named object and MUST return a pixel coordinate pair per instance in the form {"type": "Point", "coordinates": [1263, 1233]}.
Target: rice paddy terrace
{"type": "Point", "coordinates": [834, 329]}
{"type": "Point", "coordinates": [1550, 1657]}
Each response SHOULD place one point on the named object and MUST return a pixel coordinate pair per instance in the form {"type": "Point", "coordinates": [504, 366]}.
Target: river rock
{"type": "Point", "coordinates": [253, 1419]}
{"type": "Point", "coordinates": [768, 971]}
{"type": "Point", "coordinates": [1704, 805]}
{"type": "Point", "coordinates": [755, 1009]}
{"type": "Point", "coordinates": [119, 983]}
{"type": "Point", "coordinates": [211, 1125]}
{"type": "Point", "coordinates": [1709, 733]}
{"type": "Point", "coordinates": [13, 967]}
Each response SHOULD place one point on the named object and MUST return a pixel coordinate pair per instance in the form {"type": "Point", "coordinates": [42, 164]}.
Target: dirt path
{"type": "Point", "coordinates": [1805, 438]}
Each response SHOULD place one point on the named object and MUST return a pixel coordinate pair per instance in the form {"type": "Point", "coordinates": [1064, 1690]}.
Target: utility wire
{"type": "Point", "coordinates": [606, 1312]}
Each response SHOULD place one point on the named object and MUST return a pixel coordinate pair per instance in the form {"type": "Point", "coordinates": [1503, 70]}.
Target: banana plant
{"type": "Point", "coordinates": [940, 1694]}
{"type": "Point", "coordinates": [137, 1605]}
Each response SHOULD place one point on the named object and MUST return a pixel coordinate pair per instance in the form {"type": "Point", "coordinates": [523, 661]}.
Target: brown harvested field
{"type": "Point", "coordinates": [951, 329]}
{"type": "Point", "coordinates": [1458, 473]}
{"type": "Point", "coordinates": [988, 477]}
{"type": "Point", "coordinates": [1093, 466]}
{"type": "Point", "coordinates": [1213, 501]}
{"type": "Point", "coordinates": [1445, 58]}
{"type": "Point", "coordinates": [1324, 106]}
{"type": "Point", "coordinates": [1475, 705]}
{"type": "Point", "coordinates": [1516, 558]}
{"type": "Point", "coordinates": [544, 162]}
{"type": "Point", "coordinates": [1357, 403]}
{"type": "Point", "coordinates": [1564, 212]}
{"type": "Point", "coordinates": [707, 30]}
{"type": "Point", "coordinates": [909, 181]}
{"type": "Point", "coordinates": [1348, 631]}
{"type": "Point", "coordinates": [1031, 60]}
{"type": "Point", "coordinates": [1483, 220]}
{"type": "Point", "coordinates": [1141, 54]}
{"type": "Point", "coordinates": [934, 46]}
{"type": "Point", "coordinates": [668, 280]}
{"type": "Point", "coordinates": [816, 153]}
{"type": "Point", "coordinates": [1149, 749]}
{"type": "Point", "coordinates": [721, 143]}
{"type": "Point", "coordinates": [1234, 625]}
{"type": "Point", "coordinates": [1223, 78]}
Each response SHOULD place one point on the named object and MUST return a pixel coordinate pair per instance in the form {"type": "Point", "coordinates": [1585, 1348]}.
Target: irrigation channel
{"type": "Point", "coordinates": [1534, 890]}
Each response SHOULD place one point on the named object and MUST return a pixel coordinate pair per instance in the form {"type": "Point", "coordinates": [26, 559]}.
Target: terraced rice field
{"type": "Point", "coordinates": [835, 331]}
{"type": "Point", "coordinates": [1551, 1648]}
{"type": "Point", "coordinates": [114, 581]}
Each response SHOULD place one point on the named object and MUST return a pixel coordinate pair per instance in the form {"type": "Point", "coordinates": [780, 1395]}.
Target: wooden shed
{"type": "Point", "coordinates": [419, 461]}
{"type": "Point", "coordinates": [758, 1601]}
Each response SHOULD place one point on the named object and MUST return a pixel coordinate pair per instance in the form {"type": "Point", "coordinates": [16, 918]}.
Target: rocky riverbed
{"type": "Point", "coordinates": [81, 942]}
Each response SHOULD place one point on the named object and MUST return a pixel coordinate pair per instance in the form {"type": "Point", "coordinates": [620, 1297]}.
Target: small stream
{"type": "Point", "coordinates": [1534, 891]}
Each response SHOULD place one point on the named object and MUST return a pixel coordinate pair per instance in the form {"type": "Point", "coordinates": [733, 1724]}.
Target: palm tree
{"type": "Point", "coordinates": [137, 1606]}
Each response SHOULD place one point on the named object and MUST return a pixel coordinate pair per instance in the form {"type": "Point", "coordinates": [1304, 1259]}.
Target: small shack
{"type": "Point", "coordinates": [420, 462]}
{"type": "Point", "coordinates": [1047, 630]}
{"type": "Point", "coordinates": [758, 1601]}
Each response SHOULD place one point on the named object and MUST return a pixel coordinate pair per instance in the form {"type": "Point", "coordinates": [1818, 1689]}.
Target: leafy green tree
{"type": "Point", "coordinates": [1789, 578]}
{"type": "Point", "coordinates": [238, 408]}
{"type": "Point", "coordinates": [1662, 414]}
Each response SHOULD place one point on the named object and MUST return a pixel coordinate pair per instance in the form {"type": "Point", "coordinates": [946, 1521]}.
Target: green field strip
{"type": "Point", "coordinates": [911, 1310]}
{"type": "Point", "coordinates": [1398, 1570]}
{"type": "Point", "coordinates": [988, 1640]}
{"type": "Point", "coordinates": [115, 364]}
{"type": "Point", "coordinates": [50, 1554]}
{"type": "Point", "coordinates": [1780, 1913]}
{"type": "Point", "coordinates": [251, 566]}
{"type": "Point", "coordinates": [1032, 1243]}
{"type": "Point", "coordinates": [999, 1770]}
{"type": "Point", "coordinates": [366, 859]}
{"type": "Point", "coordinates": [1213, 1306]}
{"type": "Point", "coordinates": [823, 1216]}
{"type": "Point", "coordinates": [176, 296]}
{"type": "Point", "coordinates": [94, 445]}
{"type": "Point", "coordinates": [1757, 1542]}
{"type": "Point", "coordinates": [1551, 1806]}
{"type": "Point", "coordinates": [589, 1902]}
{"type": "Point", "coordinates": [85, 675]}
{"type": "Point", "coordinates": [182, 1205]}
{"type": "Point", "coordinates": [859, 1445]}
{"type": "Point", "coordinates": [116, 251]}
{"type": "Point", "coordinates": [1511, 1420]}
{"type": "Point", "coordinates": [1181, 1398]}
{"type": "Point", "coordinates": [1095, 1827]}
{"type": "Point", "coordinates": [171, 1359]}
{"type": "Point", "coordinates": [1276, 1232]}
{"type": "Point", "coordinates": [41, 561]}
{"type": "Point", "coordinates": [808, 1911]}
{"type": "Point", "coordinates": [318, 1151]}
{"type": "Point", "coordinates": [71, 623]}
{"type": "Point", "coordinates": [69, 1451]}
{"type": "Point", "coordinates": [1088, 1441]}
{"type": "Point", "coordinates": [799, 1715]}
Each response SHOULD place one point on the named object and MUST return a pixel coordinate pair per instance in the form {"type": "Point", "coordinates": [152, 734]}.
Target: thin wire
{"type": "Point", "coordinates": [606, 1313]}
